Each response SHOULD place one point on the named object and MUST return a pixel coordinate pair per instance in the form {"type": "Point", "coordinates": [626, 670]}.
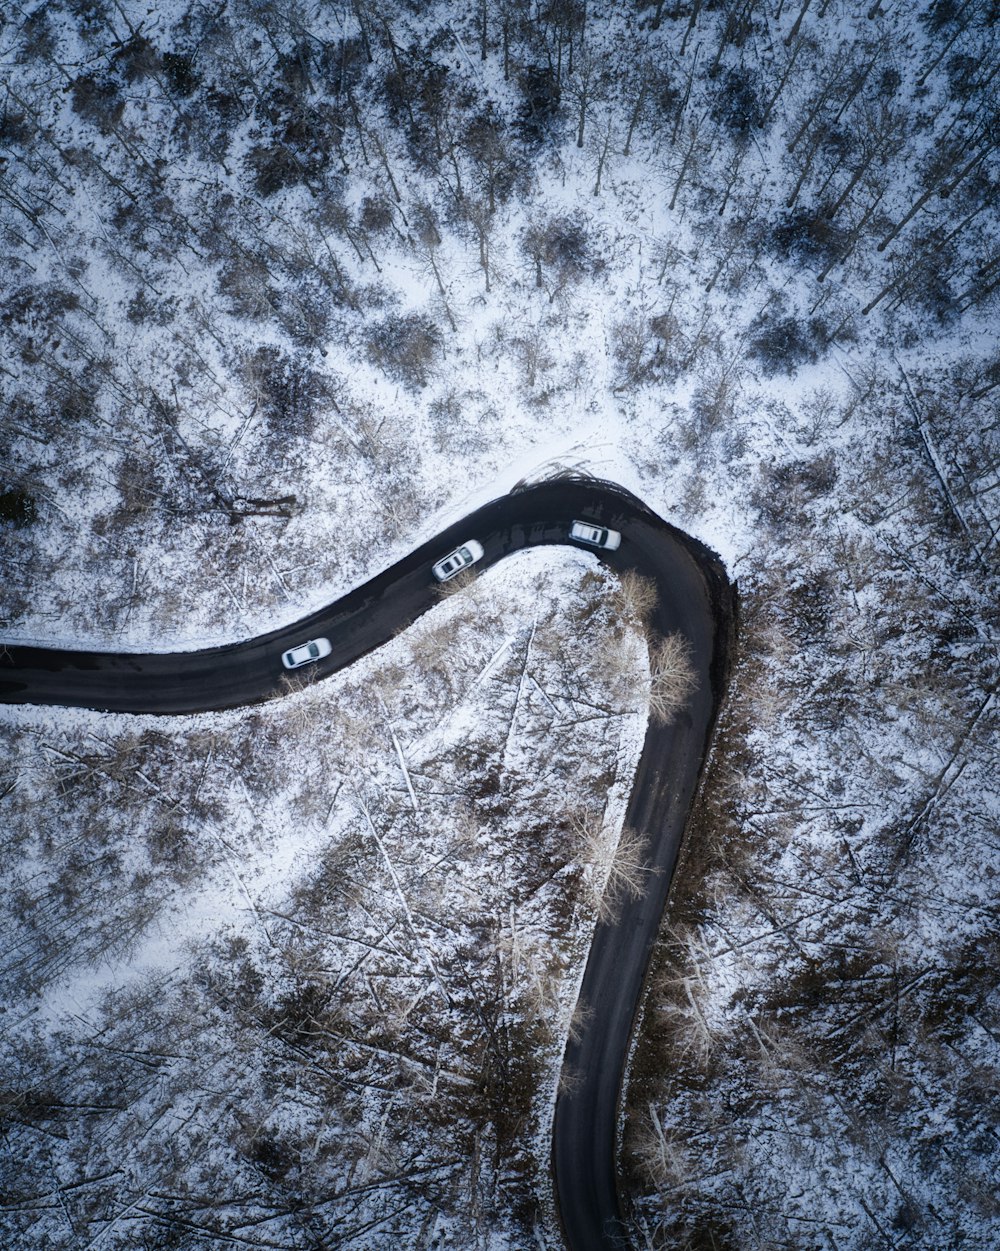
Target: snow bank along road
{"type": "Point", "coordinates": [694, 597]}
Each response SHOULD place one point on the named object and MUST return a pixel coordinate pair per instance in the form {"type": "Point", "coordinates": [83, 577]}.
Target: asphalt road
{"type": "Point", "coordinates": [694, 597]}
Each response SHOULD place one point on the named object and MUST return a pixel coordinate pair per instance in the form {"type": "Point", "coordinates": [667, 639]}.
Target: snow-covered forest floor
{"type": "Point", "coordinates": [286, 287]}
{"type": "Point", "coordinates": [305, 972]}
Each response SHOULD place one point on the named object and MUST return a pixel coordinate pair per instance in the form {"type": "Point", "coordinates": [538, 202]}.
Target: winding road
{"type": "Point", "coordinates": [695, 598]}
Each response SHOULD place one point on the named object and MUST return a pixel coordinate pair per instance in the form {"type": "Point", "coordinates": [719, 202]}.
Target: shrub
{"type": "Point", "coordinates": [561, 251]}
{"type": "Point", "coordinates": [304, 308]}
{"type": "Point", "coordinates": [141, 309]}
{"type": "Point", "coordinates": [289, 393]}
{"type": "Point", "coordinates": [782, 344]}
{"type": "Point", "coordinates": [630, 341]}
{"type": "Point", "coordinates": [646, 349]}
{"type": "Point", "coordinates": [245, 282]}
{"type": "Point", "coordinates": [376, 214]}
{"type": "Point", "coordinates": [784, 491]}
{"type": "Point", "coordinates": [713, 402]}
{"type": "Point", "coordinates": [665, 95]}
{"type": "Point", "coordinates": [180, 73]}
{"type": "Point", "coordinates": [15, 130]}
{"type": "Point", "coordinates": [274, 168]}
{"type": "Point", "coordinates": [928, 283]}
{"type": "Point", "coordinates": [540, 107]}
{"type": "Point", "coordinates": [343, 64]}
{"type": "Point", "coordinates": [37, 39]}
{"type": "Point", "coordinates": [73, 400]}
{"type": "Point", "coordinates": [737, 106]}
{"type": "Point", "coordinates": [485, 143]}
{"type": "Point", "coordinates": [136, 58]}
{"type": "Point", "coordinates": [810, 604]}
{"type": "Point", "coordinates": [807, 234]}
{"type": "Point", "coordinates": [941, 14]}
{"type": "Point", "coordinates": [17, 509]}
{"type": "Point", "coordinates": [406, 346]}
{"type": "Point", "coordinates": [271, 1155]}
{"type": "Point", "coordinates": [98, 101]}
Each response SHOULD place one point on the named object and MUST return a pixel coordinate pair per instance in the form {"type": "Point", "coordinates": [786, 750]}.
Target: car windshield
{"type": "Point", "coordinates": [465, 554]}
{"type": "Point", "coordinates": [312, 650]}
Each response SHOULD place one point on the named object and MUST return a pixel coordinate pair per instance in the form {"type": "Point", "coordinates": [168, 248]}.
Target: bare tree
{"type": "Point", "coordinates": [690, 158]}
{"type": "Point", "coordinates": [617, 871]}
{"type": "Point", "coordinates": [672, 677]}
{"type": "Point", "coordinates": [636, 598]}
{"type": "Point", "coordinates": [428, 240]}
{"type": "Point", "coordinates": [479, 218]}
{"type": "Point", "coordinates": [585, 86]}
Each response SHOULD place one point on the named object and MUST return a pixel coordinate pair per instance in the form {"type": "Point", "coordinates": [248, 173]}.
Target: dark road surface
{"type": "Point", "coordinates": [694, 597]}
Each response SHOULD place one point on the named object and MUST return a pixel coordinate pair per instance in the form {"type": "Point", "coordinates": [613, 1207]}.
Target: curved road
{"type": "Point", "coordinates": [694, 597]}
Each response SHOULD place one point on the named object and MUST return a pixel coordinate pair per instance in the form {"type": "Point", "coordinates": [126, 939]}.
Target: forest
{"type": "Point", "coordinates": [287, 287]}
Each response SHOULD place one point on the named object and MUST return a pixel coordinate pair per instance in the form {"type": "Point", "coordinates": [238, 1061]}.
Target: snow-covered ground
{"type": "Point", "coordinates": [289, 286]}
{"type": "Point", "coordinates": [328, 948]}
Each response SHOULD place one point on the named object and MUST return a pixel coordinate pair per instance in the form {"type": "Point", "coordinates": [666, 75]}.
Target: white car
{"type": "Point", "coordinates": [461, 558]}
{"type": "Point", "coordinates": [306, 653]}
{"type": "Point", "coordinates": [596, 536]}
